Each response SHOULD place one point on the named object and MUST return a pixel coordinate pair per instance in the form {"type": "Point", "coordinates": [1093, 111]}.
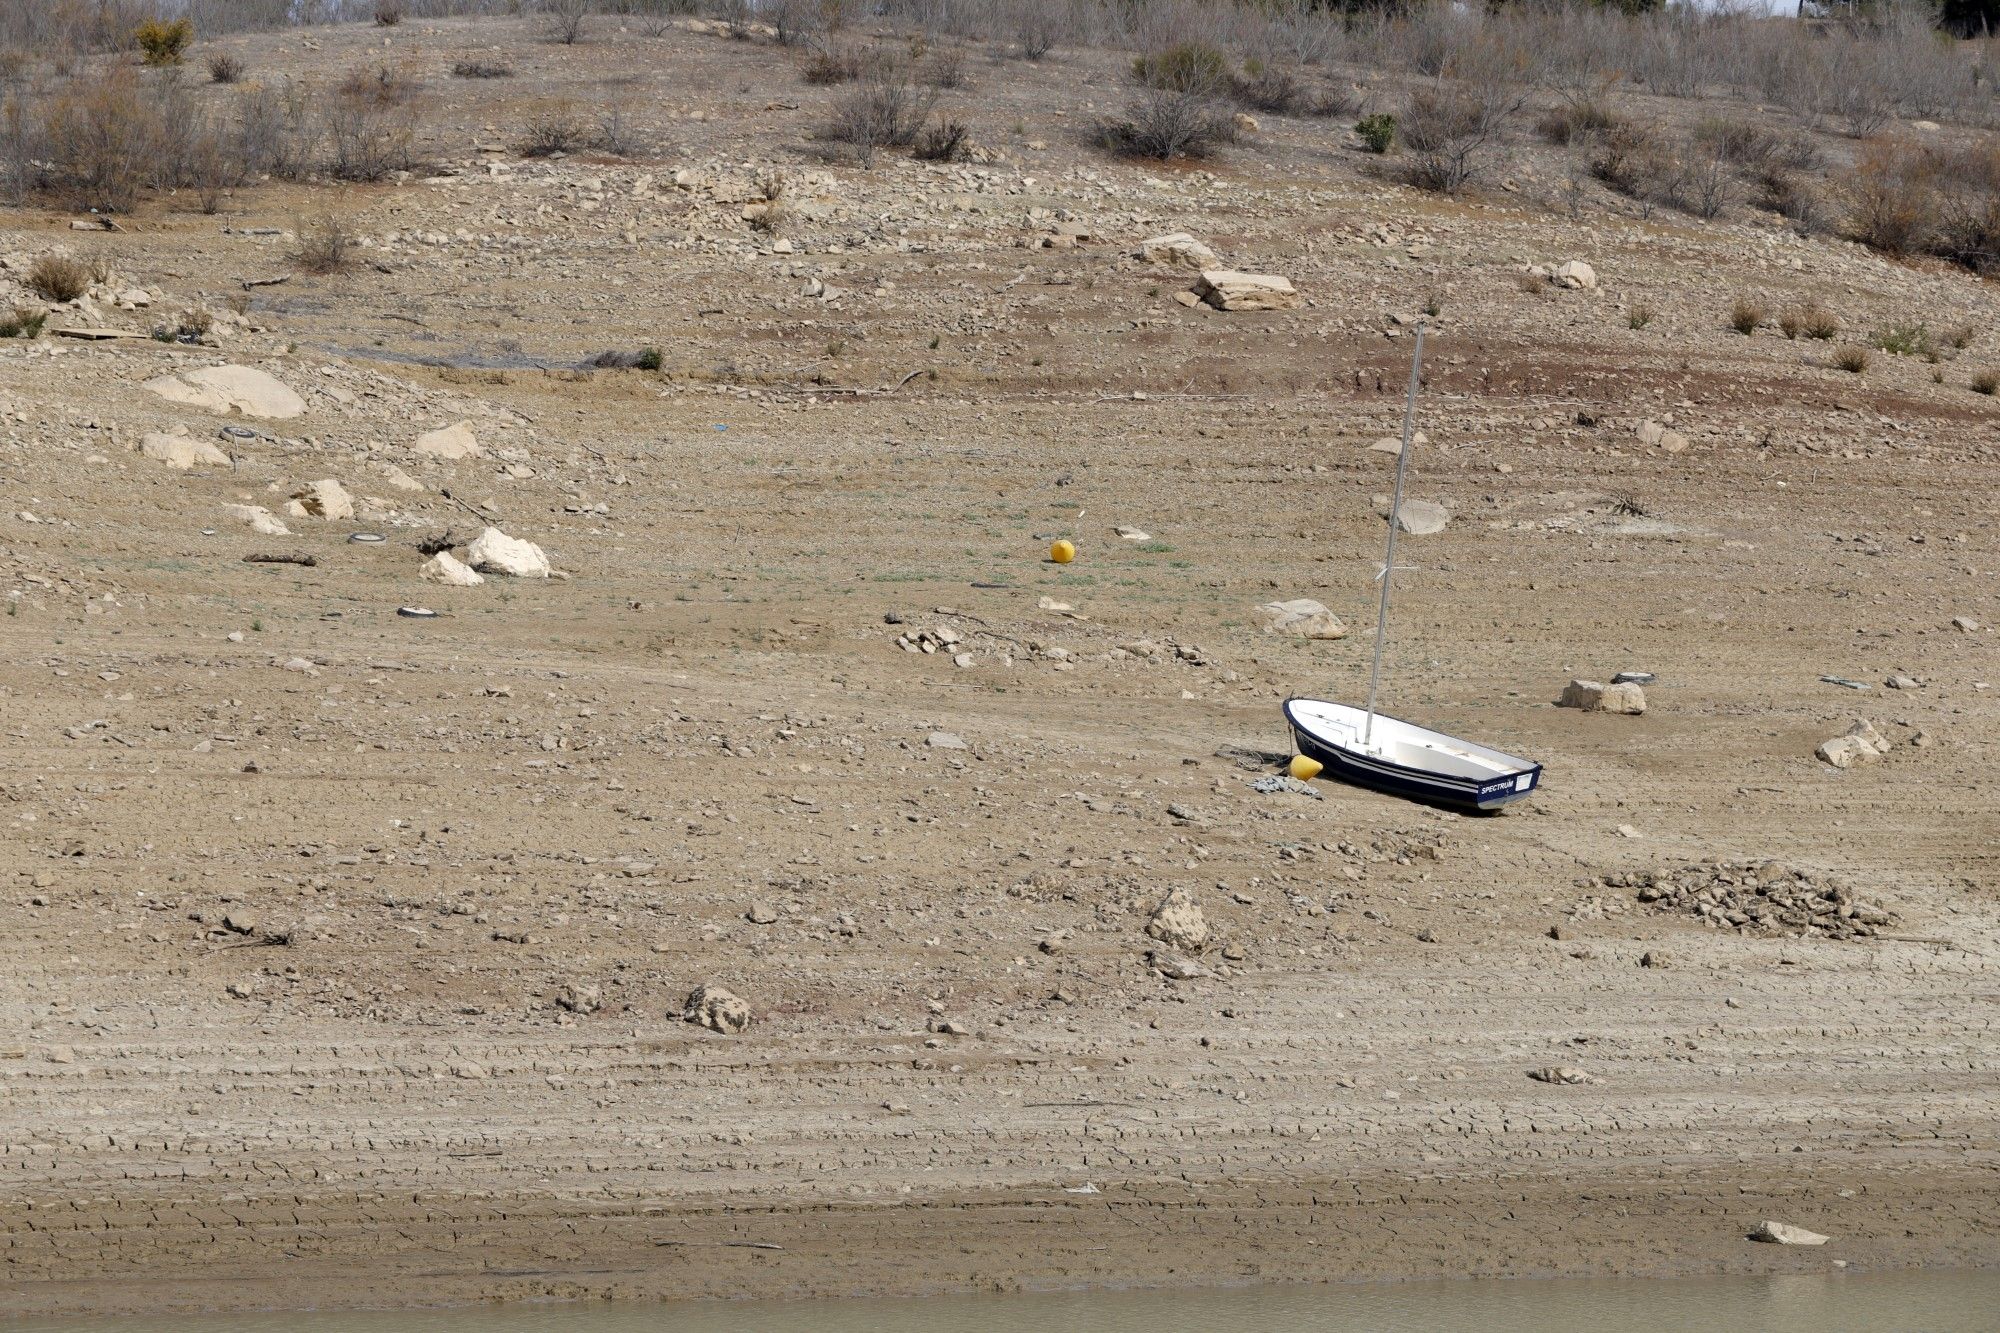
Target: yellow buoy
{"type": "Point", "coordinates": [1063, 552]}
{"type": "Point", "coordinates": [1304, 769]}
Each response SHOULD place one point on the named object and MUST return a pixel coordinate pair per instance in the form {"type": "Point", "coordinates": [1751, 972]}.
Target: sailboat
{"type": "Point", "coordinates": [1369, 749]}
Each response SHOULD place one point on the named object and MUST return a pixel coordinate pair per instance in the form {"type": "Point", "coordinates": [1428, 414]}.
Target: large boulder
{"type": "Point", "coordinates": [1592, 697]}
{"type": "Point", "coordinates": [229, 389]}
{"type": "Point", "coordinates": [1861, 743]}
{"type": "Point", "coordinates": [1179, 250]}
{"type": "Point", "coordinates": [1226, 289]}
{"type": "Point", "coordinates": [1575, 275]}
{"type": "Point", "coordinates": [448, 569]}
{"type": "Point", "coordinates": [1301, 616]}
{"type": "Point", "coordinates": [325, 498]}
{"type": "Point", "coordinates": [1179, 923]}
{"type": "Point", "coordinates": [1784, 1233]}
{"type": "Point", "coordinates": [716, 1009]}
{"type": "Point", "coordinates": [497, 553]}
{"type": "Point", "coordinates": [182, 452]}
{"type": "Point", "coordinates": [454, 441]}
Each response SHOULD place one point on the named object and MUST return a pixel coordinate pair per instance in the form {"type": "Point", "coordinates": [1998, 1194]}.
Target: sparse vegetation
{"type": "Point", "coordinates": [1906, 340]}
{"type": "Point", "coordinates": [1378, 132]}
{"type": "Point", "coordinates": [58, 278]}
{"type": "Point", "coordinates": [325, 246]}
{"type": "Point", "coordinates": [1986, 382]}
{"type": "Point", "coordinates": [554, 125]}
{"type": "Point", "coordinates": [888, 109]}
{"type": "Point", "coordinates": [566, 22]}
{"type": "Point", "coordinates": [388, 13]}
{"type": "Point", "coordinates": [225, 68]}
{"type": "Point", "coordinates": [1810, 320]}
{"type": "Point", "coordinates": [1639, 316]}
{"type": "Point", "coordinates": [23, 323]}
{"type": "Point", "coordinates": [1853, 360]}
{"type": "Point", "coordinates": [164, 43]}
{"type": "Point", "coordinates": [481, 69]}
{"type": "Point", "coordinates": [1746, 315]}
{"type": "Point", "coordinates": [948, 141]}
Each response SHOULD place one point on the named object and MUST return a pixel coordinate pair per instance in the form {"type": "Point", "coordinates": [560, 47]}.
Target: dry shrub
{"type": "Point", "coordinates": [481, 69]}
{"type": "Point", "coordinates": [58, 278]}
{"type": "Point", "coordinates": [566, 21]}
{"type": "Point", "coordinates": [1166, 123]}
{"type": "Point", "coordinates": [1571, 123]}
{"type": "Point", "coordinates": [1746, 315]}
{"type": "Point", "coordinates": [1678, 173]}
{"type": "Point", "coordinates": [103, 138]}
{"type": "Point", "coordinates": [1039, 27]}
{"type": "Point", "coordinates": [384, 85]}
{"type": "Point", "coordinates": [1794, 198]}
{"type": "Point", "coordinates": [1183, 67]}
{"type": "Point", "coordinates": [325, 246]}
{"type": "Point", "coordinates": [944, 67]}
{"type": "Point", "coordinates": [388, 13]}
{"type": "Point", "coordinates": [889, 108]}
{"type": "Point", "coordinates": [948, 141]}
{"type": "Point", "coordinates": [554, 125]}
{"type": "Point", "coordinates": [23, 323]}
{"type": "Point", "coordinates": [1810, 320]}
{"type": "Point", "coordinates": [829, 63]}
{"type": "Point", "coordinates": [1853, 360]}
{"type": "Point", "coordinates": [225, 68]}
{"type": "Point", "coordinates": [1986, 382]}
{"type": "Point", "coordinates": [1274, 89]}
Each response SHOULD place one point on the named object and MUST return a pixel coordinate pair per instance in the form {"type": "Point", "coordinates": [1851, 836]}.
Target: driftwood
{"type": "Point", "coordinates": [722, 1244]}
{"type": "Point", "coordinates": [280, 558]}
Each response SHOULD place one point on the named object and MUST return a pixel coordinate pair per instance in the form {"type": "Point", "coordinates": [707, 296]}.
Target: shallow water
{"type": "Point", "coordinates": [1816, 1303]}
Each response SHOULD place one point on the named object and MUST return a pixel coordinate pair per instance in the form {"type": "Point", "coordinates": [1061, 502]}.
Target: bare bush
{"type": "Point", "coordinates": [554, 125]}
{"type": "Point", "coordinates": [1270, 88]}
{"type": "Point", "coordinates": [324, 246]}
{"type": "Point", "coordinates": [388, 13]}
{"type": "Point", "coordinates": [58, 278]}
{"type": "Point", "coordinates": [1039, 27]}
{"type": "Point", "coordinates": [481, 69]}
{"type": "Point", "coordinates": [370, 124]}
{"type": "Point", "coordinates": [888, 109]}
{"type": "Point", "coordinates": [830, 62]}
{"type": "Point", "coordinates": [566, 21]}
{"type": "Point", "coordinates": [1746, 315]}
{"type": "Point", "coordinates": [225, 68]}
{"type": "Point", "coordinates": [948, 141]}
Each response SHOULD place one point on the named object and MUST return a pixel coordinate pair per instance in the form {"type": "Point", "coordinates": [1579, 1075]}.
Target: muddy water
{"type": "Point", "coordinates": [1936, 1302]}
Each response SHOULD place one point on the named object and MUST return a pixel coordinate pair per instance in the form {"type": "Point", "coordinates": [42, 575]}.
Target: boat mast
{"type": "Point", "coordinates": [1389, 557]}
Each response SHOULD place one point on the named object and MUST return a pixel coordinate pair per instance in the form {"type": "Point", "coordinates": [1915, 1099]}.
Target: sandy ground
{"type": "Point", "coordinates": [286, 919]}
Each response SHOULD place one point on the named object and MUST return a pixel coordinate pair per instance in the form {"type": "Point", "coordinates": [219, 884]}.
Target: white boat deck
{"type": "Point", "coordinates": [1340, 725]}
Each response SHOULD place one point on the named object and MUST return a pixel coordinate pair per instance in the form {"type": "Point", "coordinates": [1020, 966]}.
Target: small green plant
{"type": "Point", "coordinates": [1986, 382]}
{"type": "Point", "coordinates": [1745, 316]}
{"type": "Point", "coordinates": [1853, 360]}
{"type": "Point", "coordinates": [163, 43]}
{"type": "Point", "coordinates": [1906, 340]}
{"type": "Point", "coordinates": [257, 627]}
{"type": "Point", "coordinates": [835, 347]}
{"type": "Point", "coordinates": [649, 359]}
{"type": "Point", "coordinates": [13, 608]}
{"type": "Point", "coordinates": [23, 323]}
{"type": "Point", "coordinates": [1378, 132]}
{"type": "Point", "coordinates": [1639, 316]}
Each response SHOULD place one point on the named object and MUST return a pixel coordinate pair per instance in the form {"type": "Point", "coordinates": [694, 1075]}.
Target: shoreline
{"type": "Point", "coordinates": [1384, 1230]}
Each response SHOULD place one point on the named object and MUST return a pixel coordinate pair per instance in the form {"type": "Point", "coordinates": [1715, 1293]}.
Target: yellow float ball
{"type": "Point", "coordinates": [1063, 552]}
{"type": "Point", "coordinates": [1304, 769]}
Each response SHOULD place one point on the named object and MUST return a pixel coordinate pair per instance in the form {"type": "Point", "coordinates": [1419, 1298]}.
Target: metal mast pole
{"type": "Point", "coordinates": [1389, 557]}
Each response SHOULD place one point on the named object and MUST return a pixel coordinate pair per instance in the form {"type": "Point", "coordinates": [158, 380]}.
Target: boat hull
{"type": "Point", "coordinates": [1417, 784]}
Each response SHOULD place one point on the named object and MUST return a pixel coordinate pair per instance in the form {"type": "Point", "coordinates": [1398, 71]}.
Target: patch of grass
{"type": "Point", "coordinates": [325, 246]}
{"type": "Point", "coordinates": [1986, 382]}
{"type": "Point", "coordinates": [1853, 360]}
{"type": "Point", "coordinates": [1746, 315]}
{"type": "Point", "coordinates": [1811, 320]}
{"type": "Point", "coordinates": [1906, 340]}
{"type": "Point", "coordinates": [23, 323]}
{"type": "Point", "coordinates": [1639, 316]}
{"type": "Point", "coordinates": [481, 69]}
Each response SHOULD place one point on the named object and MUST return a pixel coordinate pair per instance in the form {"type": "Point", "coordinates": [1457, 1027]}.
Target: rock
{"type": "Point", "coordinates": [1783, 1233]}
{"type": "Point", "coordinates": [1653, 434]}
{"type": "Point", "coordinates": [944, 740]}
{"type": "Point", "coordinates": [1226, 289]}
{"type": "Point", "coordinates": [761, 914]}
{"type": "Point", "coordinates": [454, 442]}
{"type": "Point", "coordinates": [1576, 275]}
{"type": "Point", "coordinates": [1179, 250]}
{"type": "Point", "coordinates": [1965, 624]}
{"type": "Point", "coordinates": [260, 519]}
{"type": "Point", "coordinates": [1393, 444]}
{"type": "Point", "coordinates": [497, 553]}
{"type": "Point", "coordinates": [1903, 683]}
{"type": "Point", "coordinates": [716, 1009]}
{"type": "Point", "coordinates": [181, 453]}
{"type": "Point", "coordinates": [580, 999]}
{"type": "Point", "coordinates": [1859, 744]}
{"type": "Point", "coordinates": [1592, 697]}
{"type": "Point", "coordinates": [325, 498]}
{"type": "Point", "coordinates": [1652, 958]}
{"type": "Point", "coordinates": [1176, 968]}
{"type": "Point", "coordinates": [242, 920]}
{"type": "Point", "coordinates": [1567, 1075]}
{"type": "Point", "coordinates": [1179, 923]}
{"type": "Point", "coordinates": [448, 569]}
{"type": "Point", "coordinates": [400, 479]}
{"type": "Point", "coordinates": [1301, 616]}
{"type": "Point", "coordinates": [1420, 518]}
{"type": "Point", "coordinates": [229, 389]}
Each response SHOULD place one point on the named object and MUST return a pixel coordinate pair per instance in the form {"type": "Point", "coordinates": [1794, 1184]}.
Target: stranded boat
{"type": "Point", "coordinates": [1361, 746]}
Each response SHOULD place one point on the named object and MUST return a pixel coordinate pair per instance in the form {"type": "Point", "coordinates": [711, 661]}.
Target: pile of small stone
{"type": "Point", "coordinates": [1759, 897]}
{"type": "Point", "coordinates": [943, 639]}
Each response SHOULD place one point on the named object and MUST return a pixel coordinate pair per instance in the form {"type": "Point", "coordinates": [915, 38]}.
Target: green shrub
{"type": "Point", "coordinates": [162, 43]}
{"type": "Point", "coordinates": [1377, 132]}
{"type": "Point", "coordinates": [1185, 67]}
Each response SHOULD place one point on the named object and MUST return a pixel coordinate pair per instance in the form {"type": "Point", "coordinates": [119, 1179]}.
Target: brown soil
{"type": "Point", "coordinates": [373, 1096]}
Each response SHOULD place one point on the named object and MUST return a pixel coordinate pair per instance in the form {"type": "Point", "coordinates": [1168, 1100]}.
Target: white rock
{"type": "Point", "coordinates": [229, 389]}
{"type": "Point", "coordinates": [1575, 275]}
{"type": "Point", "coordinates": [717, 1009]}
{"type": "Point", "coordinates": [448, 569]}
{"type": "Point", "coordinates": [497, 553]}
{"type": "Point", "coordinates": [260, 519]}
{"type": "Point", "coordinates": [1784, 1233]}
{"type": "Point", "coordinates": [1592, 697]}
{"type": "Point", "coordinates": [1226, 289]}
{"type": "Point", "coordinates": [182, 452]}
{"type": "Point", "coordinates": [1301, 616]}
{"type": "Point", "coordinates": [325, 498]}
{"type": "Point", "coordinates": [1179, 923]}
{"type": "Point", "coordinates": [1420, 518]}
{"type": "Point", "coordinates": [1847, 752]}
{"type": "Point", "coordinates": [400, 479]}
{"type": "Point", "coordinates": [453, 441]}
{"type": "Point", "coordinates": [1179, 250]}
